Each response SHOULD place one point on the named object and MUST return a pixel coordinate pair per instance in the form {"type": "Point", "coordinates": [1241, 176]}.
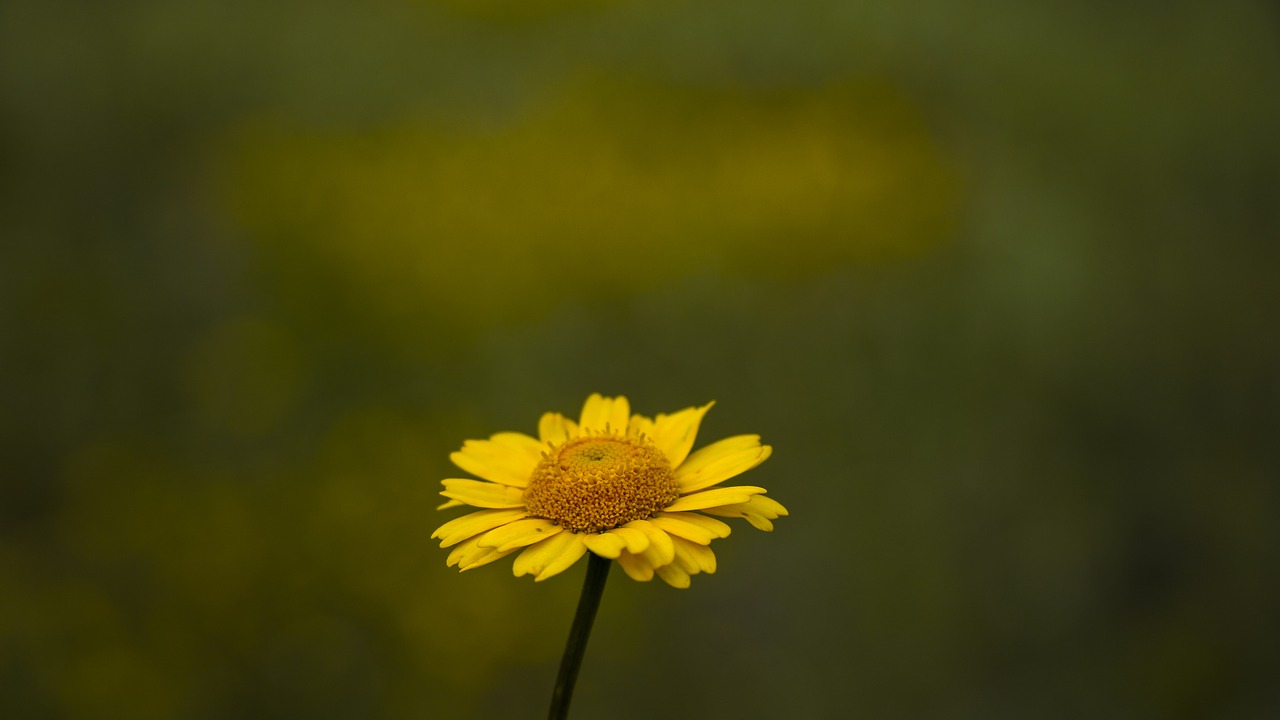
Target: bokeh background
{"type": "Point", "coordinates": [997, 281]}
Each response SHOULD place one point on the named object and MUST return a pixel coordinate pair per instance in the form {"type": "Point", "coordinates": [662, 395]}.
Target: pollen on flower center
{"type": "Point", "coordinates": [599, 482]}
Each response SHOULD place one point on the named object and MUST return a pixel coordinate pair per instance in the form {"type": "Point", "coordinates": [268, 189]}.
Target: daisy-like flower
{"type": "Point", "coordinates": [622, 486]}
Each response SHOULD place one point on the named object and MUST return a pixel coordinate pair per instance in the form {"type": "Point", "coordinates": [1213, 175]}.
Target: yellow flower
{"type": "Point", "coordinates": [619, 485]}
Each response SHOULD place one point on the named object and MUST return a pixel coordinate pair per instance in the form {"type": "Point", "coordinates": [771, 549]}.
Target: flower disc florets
{"type": "Point", "coordinates": [598, 482]}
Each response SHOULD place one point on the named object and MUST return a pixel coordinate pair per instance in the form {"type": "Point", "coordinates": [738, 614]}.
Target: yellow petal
{"type": "Point", "coordinates": [759, 511]}
{"type": "Point", "coordinates": [683, 528]}
{"type": "Point", "coordinates": [712, 525]}
{"type": "Point", "coordinates": [767, 506]}
{"type": "Point", "coordinates": [674, 576]}
{"type": "Point", "coordinates": [714, 498]}
{"type": "Point", "coordinates": [674, 434]}
{"type": "Point", "coordinates": [605, 544]}
{"type": "Point", "coordinates": [640, 425]}
{"type": "Point", "coordinates": [530, 446]}
{"type": "Point", "coordinates": [691, 526]}
{"type": "Point", "coordinates": [490, 555]}
{"type": "Point", "coordinates": [461, 552]}
{"type": "Point", "coordinates": [684, 560]}
{"type": "Point", "coordinates": [694, 558]}
{"type": "Point", "coordinates": [660, 550]}
{"type": "Point", "coordinates": [556, 429]}
{"type": "Point", "coordinates": [601, 413]}
{"type": "Point", "coordinates": [470, 555]}
{"type": "Point", "coordinates": [518, 534]}
{"type": "Point", "coordinates": [637, 542]}
{"type": "Point", "coordinates": [538, 556]}
{"type": "Point", "coordinates": [483, 494]}
{"type": "Point", "coordinates": [709, 454]}
{"type": "Point", "coordinates": [566, 558]}
{"type": "Point", "coordinates": [507, 458]}
{"type": "Point", "coordinates": [450, 504]}
{"type": "Point", "coordinates": [720, 461]}
{"type": "Point", "coordinates": [636, 567]}
{"type": "Point", "coordinates": [476, 523]}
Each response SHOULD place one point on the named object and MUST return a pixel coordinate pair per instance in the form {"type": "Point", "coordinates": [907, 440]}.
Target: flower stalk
{"type": "Point", "coordinates": [588, 603]}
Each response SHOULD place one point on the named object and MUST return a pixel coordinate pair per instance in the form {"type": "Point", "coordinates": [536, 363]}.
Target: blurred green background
{"type": "Point", "coordinates": [996, 280]}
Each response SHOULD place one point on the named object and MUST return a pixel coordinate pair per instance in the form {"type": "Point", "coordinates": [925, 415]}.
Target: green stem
{"type": "Point", "coordinates": [588, 603]}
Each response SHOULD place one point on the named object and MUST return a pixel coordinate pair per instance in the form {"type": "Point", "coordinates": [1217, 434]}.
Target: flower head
{"type": "Point", "coordinates": [622, 486]}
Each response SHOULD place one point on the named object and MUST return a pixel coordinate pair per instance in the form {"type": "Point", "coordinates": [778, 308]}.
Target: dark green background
{"type": "Point", "coordinates": [996, 280]}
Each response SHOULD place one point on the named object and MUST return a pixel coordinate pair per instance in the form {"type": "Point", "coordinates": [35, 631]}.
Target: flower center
{"type": "Point", "coordinates": [595, 483]}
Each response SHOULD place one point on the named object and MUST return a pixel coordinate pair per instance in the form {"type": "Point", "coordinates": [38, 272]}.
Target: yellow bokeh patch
{"type": "Point", "coordinates": [604, 188]}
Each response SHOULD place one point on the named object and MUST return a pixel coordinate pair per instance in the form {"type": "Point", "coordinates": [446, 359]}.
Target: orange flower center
{"type": "Point", "coordinates": [598, 482]}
